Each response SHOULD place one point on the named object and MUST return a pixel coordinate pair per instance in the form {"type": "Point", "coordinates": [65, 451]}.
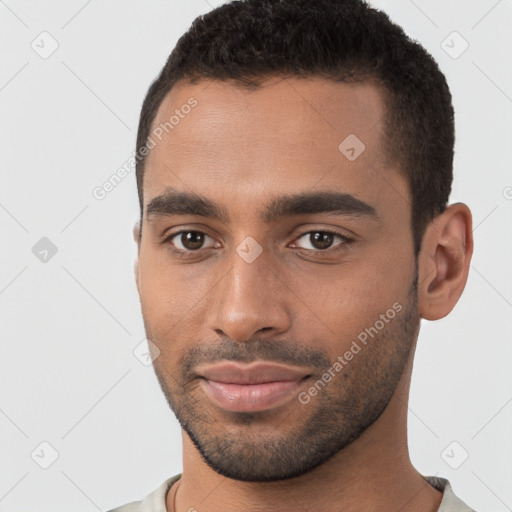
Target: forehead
{"type": "Point", "coordinates": [292, 134]}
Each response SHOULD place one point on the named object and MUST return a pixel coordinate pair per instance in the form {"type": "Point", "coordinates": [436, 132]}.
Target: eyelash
{"type": "Point", "coordinates": [185, 254]}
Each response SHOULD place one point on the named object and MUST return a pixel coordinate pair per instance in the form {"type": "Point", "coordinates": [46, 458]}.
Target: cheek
{"type": "Point", "coordinates": [172, 301]}
{"type": "Point", "coordinates": [161, 298]}
{"type": "Point", "coordinates": [356, 295]}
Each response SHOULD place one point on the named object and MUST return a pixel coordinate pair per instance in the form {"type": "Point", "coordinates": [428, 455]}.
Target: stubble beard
{"type": "Point", "coordinates": [251, 446]}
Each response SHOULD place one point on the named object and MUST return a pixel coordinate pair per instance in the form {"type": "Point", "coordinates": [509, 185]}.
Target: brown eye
{"type": "Point", "coordinates": [322, 240]}
{"type": "Point", "coordinates": [192, 240]}
{"type": "Point", "coordinates": [186, 241]}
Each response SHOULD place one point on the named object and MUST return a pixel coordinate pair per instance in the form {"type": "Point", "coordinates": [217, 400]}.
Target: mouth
{"type": "Point", "coordinates": [251, 387]}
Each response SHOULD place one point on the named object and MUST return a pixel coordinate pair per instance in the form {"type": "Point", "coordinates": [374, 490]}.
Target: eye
{"type": "Point", "coordinates": [322, 240]}
{"type": "Point", "coordinates": [187, 241]}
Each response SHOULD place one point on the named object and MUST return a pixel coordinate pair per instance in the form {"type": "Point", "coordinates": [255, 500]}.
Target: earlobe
{"type": "Point", "coordinates": [444, 261]}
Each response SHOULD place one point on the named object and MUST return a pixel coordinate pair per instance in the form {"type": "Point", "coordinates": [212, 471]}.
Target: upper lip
{"type": "Point", "coordinates": [250, 373]}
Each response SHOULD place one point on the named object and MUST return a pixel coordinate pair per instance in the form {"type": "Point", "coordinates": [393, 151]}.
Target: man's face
{"type": "Point", "coordinates": [332, 318]}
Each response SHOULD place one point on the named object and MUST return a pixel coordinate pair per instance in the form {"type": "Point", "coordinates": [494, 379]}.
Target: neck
{"type": "Point", "coordinates": [373, 473]}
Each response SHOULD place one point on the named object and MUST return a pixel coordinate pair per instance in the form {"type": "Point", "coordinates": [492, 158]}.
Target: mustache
{"type": "Point", "coordinates": [281, 351]}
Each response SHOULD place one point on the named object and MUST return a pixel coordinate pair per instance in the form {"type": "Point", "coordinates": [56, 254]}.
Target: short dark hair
{"type": "Point", "coordinates": [246, 41]}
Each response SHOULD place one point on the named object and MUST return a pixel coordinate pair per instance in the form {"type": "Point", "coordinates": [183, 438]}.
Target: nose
{"type": "Point", "coordinates": [250, 300]}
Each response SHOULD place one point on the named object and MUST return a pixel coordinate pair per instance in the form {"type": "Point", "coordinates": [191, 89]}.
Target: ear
{"type": "Point", "coordinates": [136, 237]}
{"type": "Point", "coordinates": [444, 261]}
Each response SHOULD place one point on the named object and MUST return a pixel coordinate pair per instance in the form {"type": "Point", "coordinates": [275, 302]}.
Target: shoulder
{"type": "Point", "coordinates": [450, 502]}
{"type": "Point", "coordinates": [153, 502]}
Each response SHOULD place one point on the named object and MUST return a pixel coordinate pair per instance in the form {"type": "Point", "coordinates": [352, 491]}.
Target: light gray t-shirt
{"type": "Point", "coordinates": [155, 501]}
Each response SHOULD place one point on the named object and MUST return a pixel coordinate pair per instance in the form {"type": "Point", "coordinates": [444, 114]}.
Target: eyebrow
{"type": "Point", "coordinates": [185, 203]}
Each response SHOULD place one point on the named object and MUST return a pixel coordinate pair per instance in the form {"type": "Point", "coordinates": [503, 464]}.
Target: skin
{"type": "Point", "coordinates": [240, 149]}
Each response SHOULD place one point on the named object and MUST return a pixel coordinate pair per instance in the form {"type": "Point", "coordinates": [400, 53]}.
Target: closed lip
{"type": "Point", "coordinates": [250, 373]}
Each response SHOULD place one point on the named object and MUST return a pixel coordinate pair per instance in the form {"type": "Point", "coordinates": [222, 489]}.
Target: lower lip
{"type": "Point", "coordinates": [251, 397]}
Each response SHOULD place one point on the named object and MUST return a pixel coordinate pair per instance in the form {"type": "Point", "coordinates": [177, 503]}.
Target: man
{"type": "Point", "coordinates": [294, 163]}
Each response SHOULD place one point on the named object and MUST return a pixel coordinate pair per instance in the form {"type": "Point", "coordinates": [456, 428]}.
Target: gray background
{"type": "Point", "coordinates": [70, 323]}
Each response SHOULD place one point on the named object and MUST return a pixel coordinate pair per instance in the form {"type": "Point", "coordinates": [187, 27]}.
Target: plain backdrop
{"type": "Point", "coordinates": [74, 396]}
